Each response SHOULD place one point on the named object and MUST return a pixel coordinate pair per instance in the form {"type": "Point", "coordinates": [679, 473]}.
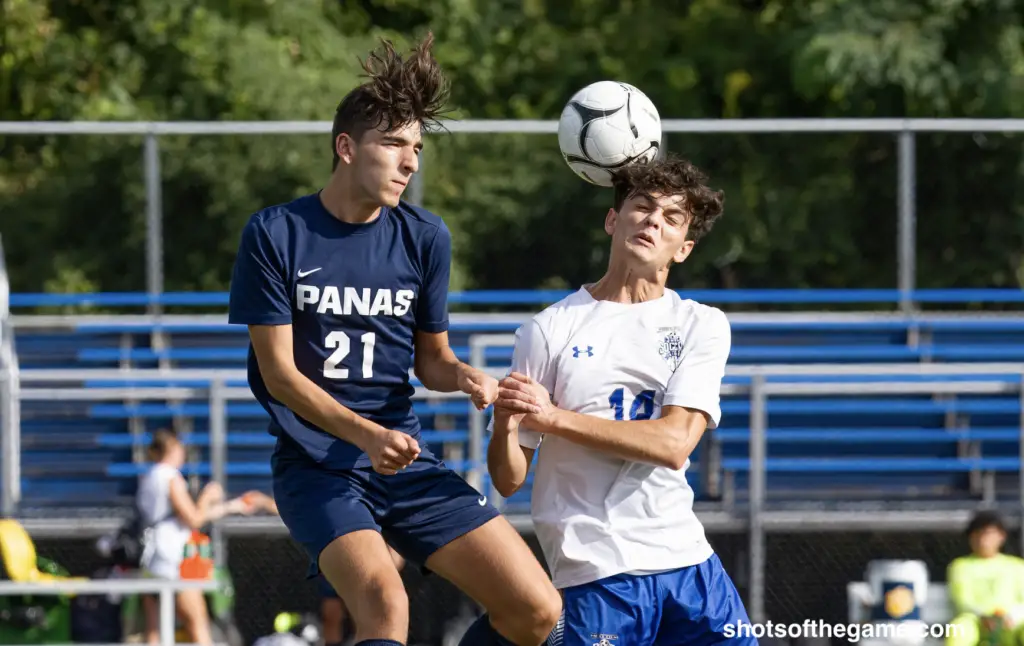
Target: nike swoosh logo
{"type": "Point", "coordinates": [303, 274]}
{"type": "Point", "coordinates": [482, 501]}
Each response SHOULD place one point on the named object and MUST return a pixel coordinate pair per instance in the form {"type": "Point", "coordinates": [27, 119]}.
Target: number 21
{"type": "Point", "coordinates": [341, 341]}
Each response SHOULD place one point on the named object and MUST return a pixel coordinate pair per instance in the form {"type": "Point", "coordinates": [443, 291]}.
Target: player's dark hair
{"type": "Point", "coordinates": [398, 92]}
{"type": "Point", "coordinates": [163, 440]}
{"type": "Point", "coordinates": [672, 175]}
{"type": "Point", "coordinates": [985, 519]}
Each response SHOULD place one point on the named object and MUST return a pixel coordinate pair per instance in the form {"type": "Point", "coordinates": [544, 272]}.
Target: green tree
{"type": "Point", "coordinates": [801, 210]}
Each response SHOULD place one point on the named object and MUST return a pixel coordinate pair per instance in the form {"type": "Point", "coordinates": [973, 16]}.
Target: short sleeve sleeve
{"type": "Point", "coordinates": [531, 357]}
{"type": "Point", "coordinates": [259, 293]}
{"type": "Point", "coordinates": [432, 307]}
{"type": "Point", "coordinates": [697, 380]}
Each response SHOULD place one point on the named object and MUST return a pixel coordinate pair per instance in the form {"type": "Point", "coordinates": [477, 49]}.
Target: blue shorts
{"type": "Point", "coordinates": [418, 510]}
{"type": "Point", "coordinates": [693, 605]}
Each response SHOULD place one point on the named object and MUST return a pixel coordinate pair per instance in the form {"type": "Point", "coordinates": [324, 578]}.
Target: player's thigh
{"type": "Point", "coordinates": [702, 607]}
{"type": "Point", "coordinates": [622, 610]}
{"type": "Point", "coordinates": [318, 506]}
{"type": "Point", "coordinates": [358, 566]}
{"type": "Point", "coordinates": [495, 552]}
{"type": "Point", "coordinates": [445, 524]}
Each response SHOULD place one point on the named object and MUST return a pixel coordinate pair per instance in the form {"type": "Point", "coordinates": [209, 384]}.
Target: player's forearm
{"type": "Point", "coordinates": [219, 510]}
{"type": "Point", "coordinates": [655, 441]}
{"type": "Point", "coordinates": [439, 370]}
{"type": "Point", "coordinates": [506, 461]}
{"type": "Point", "coordinates": [312, 403]}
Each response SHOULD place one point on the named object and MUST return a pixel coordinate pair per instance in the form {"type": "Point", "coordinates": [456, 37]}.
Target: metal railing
{"type": "Point", "coordinates": [760, 384]}
{"type": "Point", "coordinates": [10, 423]}
{"type": "Point", "coordinates": [164, 589]}
{"type": "Point", "coordinates": [904, 129]}
{"type": "Point", "coordinates": [533, 298]}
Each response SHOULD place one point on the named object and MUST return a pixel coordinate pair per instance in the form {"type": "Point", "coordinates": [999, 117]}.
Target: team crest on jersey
{"type": "Point", "coordinates": [603, 639]}
{"type": "Point", "coordinates": [670, 346]}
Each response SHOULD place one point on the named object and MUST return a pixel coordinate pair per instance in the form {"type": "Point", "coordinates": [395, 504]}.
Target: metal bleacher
{"type": "Point", "coordinates": [820, 408]}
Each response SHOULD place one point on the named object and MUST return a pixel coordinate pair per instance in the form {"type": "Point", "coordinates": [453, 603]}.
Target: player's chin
{"type": "Point", "coordinates": [391, 195]}
{"type": "Point", "coordinates": [640, 251]}
{"type": "Point", "coordinates": [390, 199]}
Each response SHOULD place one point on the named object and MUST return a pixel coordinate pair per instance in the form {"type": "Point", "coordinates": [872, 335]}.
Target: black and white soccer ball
{"type": "Point", "coordinates": [606, 126]}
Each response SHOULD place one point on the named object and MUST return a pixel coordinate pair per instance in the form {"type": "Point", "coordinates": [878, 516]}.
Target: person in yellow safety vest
{"type": "Point", "coordinates": [986, 589]}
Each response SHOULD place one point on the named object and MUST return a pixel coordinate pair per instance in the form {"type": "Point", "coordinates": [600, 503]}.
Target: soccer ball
{"type": "Point", "coordinates": [606, 126]}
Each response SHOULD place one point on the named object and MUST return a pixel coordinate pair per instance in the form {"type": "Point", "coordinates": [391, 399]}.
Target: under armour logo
{"type": "Point", "coordinates": [576, 351]}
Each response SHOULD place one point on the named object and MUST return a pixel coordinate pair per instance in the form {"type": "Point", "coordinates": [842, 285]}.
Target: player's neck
{"type": "Point", "coordinates": [624, 285]}
{"type": "Point", "coordinates": [337, 199]}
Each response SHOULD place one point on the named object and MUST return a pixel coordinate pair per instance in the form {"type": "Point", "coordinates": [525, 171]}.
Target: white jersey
{"type": "Point", "coordinates": [597, 515]}
{"type": "Point", "coordinates": [167, 535]}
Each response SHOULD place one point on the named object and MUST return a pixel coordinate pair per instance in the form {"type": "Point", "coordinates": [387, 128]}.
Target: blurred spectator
{"type": "Point", "coordinates": [987, 588]}
{"type": "Point", "coordinates": [171, 515]}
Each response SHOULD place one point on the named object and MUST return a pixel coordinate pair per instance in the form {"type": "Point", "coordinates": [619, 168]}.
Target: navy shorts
{"type": "Point", "coordinates": [418, 510]}
{"type": "Point", "coordinates": [325, 589]}
{"type": "Point", "coordinates": [696, 605]}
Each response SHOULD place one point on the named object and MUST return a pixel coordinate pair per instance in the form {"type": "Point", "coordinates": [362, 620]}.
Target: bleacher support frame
{"type": "Point", "coordinates": [755, 518]}
{"type": "Point", "coordinates": [10, 423]}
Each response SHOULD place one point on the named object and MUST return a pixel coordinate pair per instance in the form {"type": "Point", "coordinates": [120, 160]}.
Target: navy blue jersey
{"type": "Point", "coordinates": [355, 294]}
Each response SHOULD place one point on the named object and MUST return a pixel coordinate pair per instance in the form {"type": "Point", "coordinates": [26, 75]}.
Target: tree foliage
{"type": "Point", "coordinates": [802, 210]}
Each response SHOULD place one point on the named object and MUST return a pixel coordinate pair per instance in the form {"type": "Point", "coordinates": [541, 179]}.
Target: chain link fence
{"type": "Point", "coordinates": [807, 574]}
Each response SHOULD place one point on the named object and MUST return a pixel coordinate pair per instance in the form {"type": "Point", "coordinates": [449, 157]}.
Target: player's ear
{"type": "Point", "coordinates": [345, 146]}
{"type": "Point", "coordinates": [683, 252]}
{"type": "Point", "coordinates": [609, 221]}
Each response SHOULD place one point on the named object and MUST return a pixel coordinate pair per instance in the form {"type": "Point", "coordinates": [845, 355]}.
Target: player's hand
{"type": "Point", "coordinates": [212, 493]}
{"type": "Point", "coordinates": [392, 451]}
{"type": "Point", "coordinates": [480, 386]}
{"type": "Point", "coordinates": [520, 394]}
{"type": "Point", "coordinates": [238, 507]}
{"type": "Point", "coordinates": [505, 421]}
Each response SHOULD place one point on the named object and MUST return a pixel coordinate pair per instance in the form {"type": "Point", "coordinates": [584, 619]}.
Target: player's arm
{"type": "Point", "coordinates": [436, 365]}
{"type": "Point", "coordinates": [260, 299]}
{"type": "Point", "coordinates": [508, 461]}
{"type": "Point", "coordinates": [691, 406]}
{"type": "Point", "coordinates": [275, 355]}
{"type": "Point", "coordinates": [206, 509]}
{"type": "Point", "coordinates": [511, 449]}
{"type": "Point", "coordinates": [664, 442]}
{"type": "Point", "coordinates": [966, 597]}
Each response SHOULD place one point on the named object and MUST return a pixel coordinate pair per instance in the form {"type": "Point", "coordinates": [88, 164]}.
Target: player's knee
{"type": "Point", "coordinates": [382, 599]}
{"type": "Point", "coordinates": [533, 621]}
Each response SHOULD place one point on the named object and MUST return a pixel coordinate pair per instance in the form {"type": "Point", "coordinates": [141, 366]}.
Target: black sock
{"type": "Point", "coordinates": [482, 633]}
{"type": "Point", "coordinates": [379, 642]}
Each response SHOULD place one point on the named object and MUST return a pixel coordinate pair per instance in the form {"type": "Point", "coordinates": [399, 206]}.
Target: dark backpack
{"type": "Point", "coordinates": [124, 548]}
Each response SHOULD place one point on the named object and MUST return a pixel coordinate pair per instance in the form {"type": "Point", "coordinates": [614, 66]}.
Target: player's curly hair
{"type": "Point", "coordinates": [398, 92]}
{"type": "Point", "coordinates": [672, 175]}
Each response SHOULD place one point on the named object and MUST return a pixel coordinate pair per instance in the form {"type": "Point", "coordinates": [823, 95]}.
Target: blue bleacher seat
{"type": "Point", "coordinates": [815, 443]}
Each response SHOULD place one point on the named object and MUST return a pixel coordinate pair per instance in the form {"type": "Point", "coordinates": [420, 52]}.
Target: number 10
{"type": "Point", "coordinates": [642, 408]}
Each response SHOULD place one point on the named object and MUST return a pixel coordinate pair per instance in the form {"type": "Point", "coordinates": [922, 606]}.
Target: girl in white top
{"type": "Point", "coordinates": [171, 514]}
